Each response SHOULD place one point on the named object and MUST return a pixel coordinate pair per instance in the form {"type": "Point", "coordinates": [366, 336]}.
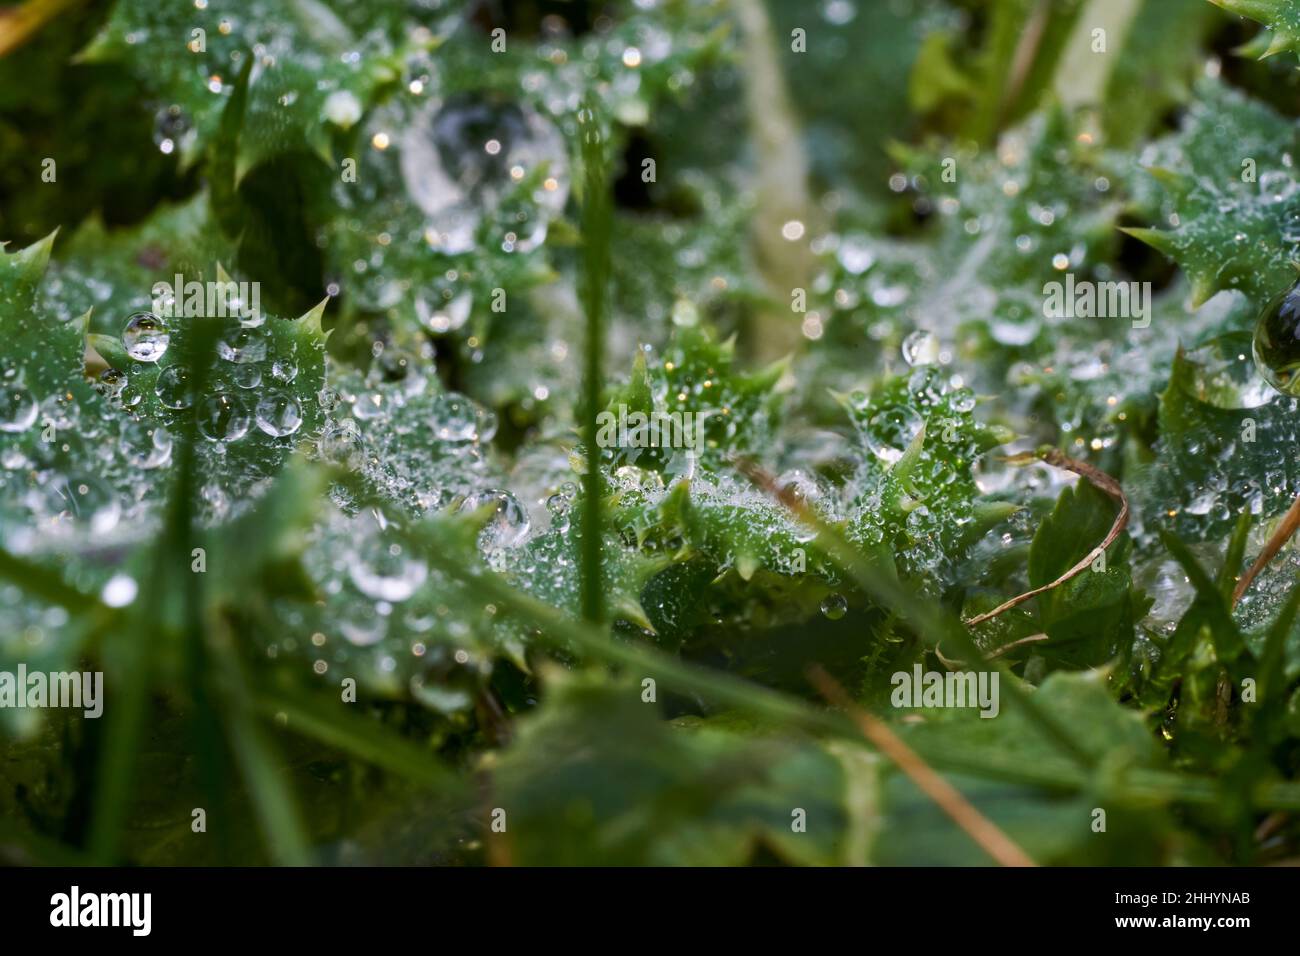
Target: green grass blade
{"type": "Point", "coordinates": [596, 236]}
{"type": "Point", "coordinates": [334, 726]}
{"type": "Point", "coordinates": [1234, 555]}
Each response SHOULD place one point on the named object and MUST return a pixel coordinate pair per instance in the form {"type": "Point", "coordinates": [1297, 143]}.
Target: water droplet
{"type": "Point", "coordinates": [1225, 375]}
{"type": "Point", "coordinates": [1276, 186]}
{"type": "Point", "coordinates": [444, 307]}
{"type": "Point", "coordinates": [384, 572]}
{"type": "Point", "coordinates": [145, 447]}
{"type": "Point", "coordinates": [834, 607]}
{"type": "Point", "coordinates": [360, 625]}
{"type": "Point", "coordinates": [921, 348]}
{"type": "Point", "coordinates": [223, 417]}
{"type": "Point", "coordinates": [278, 415]}
{"type": "Point", "coordinates": [342, 108]}
{"type": "Point", "coordinates": [369, 405]}
{"type": "Point", "coordinates": [559, 505]}
{"type": "Point", "coordinates": [11, 459]}
{"type": "Point", "coordinates": [172, 129]}
{"type": "Point", "coordinates": [800, 485]}
{"type": "Point", "coordinates": [856, 255]}
{"type": "Point", "coordinates": [247, 376]}
{"type": "Point", "coordinates": [1277, 342]}
{"type": "Point", "coordinates": [508, 525]}
{"type": "Point", "coordinates": [992, 473]}
{"type": "Point", "coordinates": [173, 387]}
{"type": "Point", "coordinates": [60, 410]}
{"type": "Point", "coordinates": [962, 400]}
{"type": "Point", "coordinates": [457, 159]}
{"type": "Point", "coordinates": [1014, 333]}
{"type": "Point", "coordinates": [341, 444]}
{"type": "Point", "coordinates": [110, 383]}
{"type": "Point", "coordinates": [839, 12]}
{"type": "Point", "coordinates": [1202, 504]}
{"type": "Point", "coordinates": [145, 337]}
{"type": "Point", "coordinates": [457, 418]}
{"type": "Point", "coordinates": [329, 399]}
{"type": "Point", "coordinates": [684, 314]}
{"type": "Point", "coordinates": [119, 591]}
{"type": "Point", "coordinates": [17, 408]}
{"type": "Point", "coordinates": [1291, 226]}
{"type": "Point", "coordinates": [242, 346]}
{"type": "Point", "coordinates": [284, 370]}
{"type": "Point", "coordinates": [891, 430]}
{"type": "Point", "coordinates": [84, 501]}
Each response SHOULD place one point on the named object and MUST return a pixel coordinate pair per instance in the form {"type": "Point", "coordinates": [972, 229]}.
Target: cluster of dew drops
{"type": "Point", "coordinates": [251, 392]}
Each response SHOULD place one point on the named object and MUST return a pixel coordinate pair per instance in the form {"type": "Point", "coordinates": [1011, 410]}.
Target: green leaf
{"type": "Point", "coordinates": [1050, 827]}
{"type": "Point", "coordinates": [914, 491]}
{"type": "Point", "coordinates": [190, 57]}
{"type": "Point", "coordinates": [1280, 17]}
{"type": "Point", "coordinates": [732, 412]}
{"type": "Point", "coordinates": [1215, 462]}
{"type": "Point", "coordinates": [618, 786]}
{"type": "Point", "coordinates": [1234, 206]}
{"type": "Point", "coordinates": [1090, 617]}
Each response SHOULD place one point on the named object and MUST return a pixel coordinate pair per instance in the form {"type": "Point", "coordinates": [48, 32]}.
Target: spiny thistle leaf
{"type": "Point", "coordinates": [1234, 207]}
{"type": "Point", "coordinates": [1280, 17]}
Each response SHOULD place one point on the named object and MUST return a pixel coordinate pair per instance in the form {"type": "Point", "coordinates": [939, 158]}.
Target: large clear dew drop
{"type": "Point", "coordinates": [471, 155]}
{"type": "Point", "coordinates": [145, 337]}
{"type": "Point", "coordinates": [1277, 342]}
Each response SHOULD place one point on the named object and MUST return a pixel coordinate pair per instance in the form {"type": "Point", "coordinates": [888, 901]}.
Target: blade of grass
{"type": "Point", "coordinates": [40, 583]}
{"type": "Point", "coordinates": [272, 799]}
{"type": "Point", "coordinates": [364, 739]}
{"type": "Point", "coordinates": [128, 658]}
{"type": "Point", "coordinates": [277, 815]}
{"type": "Point", "coordinates": [1235, 553]}
{"type": "Point", "coordinates": [183, 536]}
{"type": "Point", "coordinates": [1272, 665]}
{"type": "Point", "coordinates": [136, 644]}
{"type": "Point", "coordinates": [596, 234]}
{"type": "Point", "coordinates": [781, 190]}
{"type": "Point", "coordinates": [1228, 642]}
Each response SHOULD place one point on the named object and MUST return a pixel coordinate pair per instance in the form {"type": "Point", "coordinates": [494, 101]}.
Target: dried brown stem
{"type": "Point", "coordinates": [1287, 528]}
{"type": "Point", "coordinates": [987, 834]}
{"type": "Point", "coordinates": [992, 656]}
{"type": "Point", "coordinates": [19, 24]}
{"type": "Point", "coordinates": [1100, 480]}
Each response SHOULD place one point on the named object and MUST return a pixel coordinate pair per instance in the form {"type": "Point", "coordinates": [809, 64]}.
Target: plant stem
{"type": "Point", "coordinates": [781, 191]}
{"type": "Point", "coordinates": [983, 831]}
{"type": "Point", "coordinates": [1285, 529]}
{"type": "Point", "coordinates": [596, 229]}
{"type": "Point", "coordinates": [20, 24]}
